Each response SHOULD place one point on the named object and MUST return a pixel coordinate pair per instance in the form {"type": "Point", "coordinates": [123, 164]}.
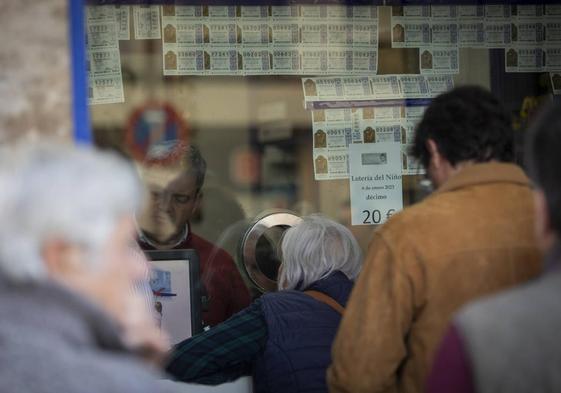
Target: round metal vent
{"type": "Point", "coordinates": [260, 245]}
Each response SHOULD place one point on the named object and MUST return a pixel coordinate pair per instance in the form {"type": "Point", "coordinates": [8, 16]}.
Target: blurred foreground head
{"type": "Point", "coordinates": [66, 214]}
{"type": "Point", "coordinates": [543, 155]}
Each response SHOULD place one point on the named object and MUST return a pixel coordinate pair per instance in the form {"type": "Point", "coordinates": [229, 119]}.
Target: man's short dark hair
{"type": "Point", "coordinates": [467, 124]}
{"type": "Point", "coordinates": [543, 159]}
{"type": "Point", "coordinates": [185, 155]}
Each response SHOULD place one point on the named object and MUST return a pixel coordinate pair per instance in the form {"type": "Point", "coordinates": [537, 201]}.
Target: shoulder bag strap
{"type": "Point", "coordinates": [322, 297]}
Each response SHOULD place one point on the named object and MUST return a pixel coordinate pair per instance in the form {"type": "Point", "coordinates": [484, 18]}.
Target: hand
{"type": "Point", "coordinates": [141, 334]}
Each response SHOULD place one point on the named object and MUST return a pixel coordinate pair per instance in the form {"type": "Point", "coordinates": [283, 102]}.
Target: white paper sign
{"type": "Point", "coordinates": [375, 182]}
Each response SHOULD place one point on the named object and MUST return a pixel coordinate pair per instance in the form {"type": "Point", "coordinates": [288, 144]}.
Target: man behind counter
{"type": "Point", "coordinates": [174, 177]}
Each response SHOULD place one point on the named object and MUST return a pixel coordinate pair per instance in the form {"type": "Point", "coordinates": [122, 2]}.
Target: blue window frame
{"type": "Point", "coordinates": [80, 110]}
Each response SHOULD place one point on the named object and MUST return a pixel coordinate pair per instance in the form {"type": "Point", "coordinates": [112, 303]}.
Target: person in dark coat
{"type": "Point", "coordinates": [283, 339]}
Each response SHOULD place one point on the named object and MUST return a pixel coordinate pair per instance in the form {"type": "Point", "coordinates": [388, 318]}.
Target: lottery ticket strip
{"type": "Point", "coordinates": [530, 34]}
{"type": "Point", "coordinates": [262, 40]}
{"type": "Point", "coordinates": [315, 39]}
{"type": "Point", "coordinates": [364, 110]}
{"type": "Point", "coordinates": [105, 25]}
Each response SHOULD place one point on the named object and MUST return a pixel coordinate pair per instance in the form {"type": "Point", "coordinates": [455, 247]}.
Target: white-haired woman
{"type": "Point", "coordinates": [284, 338]}
{"type": "Point", "coordinates": [69, 321]}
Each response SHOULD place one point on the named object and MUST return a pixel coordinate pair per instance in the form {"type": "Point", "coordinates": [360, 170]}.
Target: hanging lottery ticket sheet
{"type": "Point", "coordinates": [471, 12]}
{"type": "Point", "coordinates": [471, 33]}
{"type": "Point", "coordinates": [444, 34]}
{"type": "Point", "coordinates": [330, 151]}
{"type": "Point", "coordinates": [105, 82]}
{"type": "Point", "coordinates": [365, 34]}
{"type": "Point", "coordinates": [323, 89]}
{"type": "Point", "coordinates": [184, 61]}
{"type": "Point", "coordinates": [356, 88]}
{"type": "Point", "coordinates": [256, 61]}
{"type": "Point", "coordinates": [552, 11]}
{"type": "Point", "coordinates": [102, 35]}
{"type": "Point", "coordinates": [222, 61]}
{"type": "Point", "coordinates": [411, 11]}
{"type": "Point", "coordinates": [339, 33]}
{"type": "Point", "coordinates": [498, 12]}
{"type": "Point", "coordinates": [285, 12]}
{"type": "Point", "coordinates": [313, 34]}
{"type": "Point", "coordinates": [101, 14]}
{"type": "Point", "coordinates": [438, 84]}
{"type": "Point", "coordinates": [105, 90]}
{"type": "Point", "coordinates": [146, 21]}
{"type": "Point", "coordinates": [339, 61]}
{"type": "Point", "coordinates": [365, 12]}
{"type": "Point", "coordinates": [285, 61]}
{"type": "Point", "coordinates": [222, 33]}
{"type": "Point", "coordinates": [413, 86]}
{"type": "Point", "coordinates": [104, 62]}
{"type": "Point", "coordinates": [260, 12]}
{"type": "Point", "coordinates": [323, 118]}
{"type": "Point", "coordinates": [214, 12]}
{"type": "Point", "coordinates": [255, 33]}
{"type": "Point", "coordinates": [498, 34]}
{"type": "Point", "coordinates": [439, 60]}
{"type": "Point", "coordinates": [313, 12]}
{"type": "Point", "coordinates": [314, 61]}
{"type": "Point", "coordinates": [529, 59]}
{"type": "Point", "coordinates": [182, 34]}
{"type": "Point", "coordinates": [122, 13]}
{"type": "Point", "coordinates": [182, 12]}
{"type": "Point", "coordinates": [364, 61]}
{"type": "Point", "coordinates": [553, 31]}
{"type": "Point", "coordinates": [527, 33]}
{"type": "Point", "coordinates": [285, 34]}
{"type": "Point", "coordinates": [443, 12]}
{"type": "Point", "coordinates": [338, 12]}
{"type": "Point", "coordinates": [386, 87]}
{"type": "Point", "coordinates": [528, 12]}
{"type": "Point", "coordinates": [410, 33]}
{"type": "Point", "coordinates": [377, 88]}
{"type": "Point", "coordinates": [552, 59]}
{"type": "Point", "coordinates": [378, 131]}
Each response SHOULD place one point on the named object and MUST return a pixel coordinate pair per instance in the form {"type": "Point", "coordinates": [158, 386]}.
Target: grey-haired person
{"type": "Point", "coordinates": [283, 339]}
{"type": "Point", "coordinates": [69, 321]}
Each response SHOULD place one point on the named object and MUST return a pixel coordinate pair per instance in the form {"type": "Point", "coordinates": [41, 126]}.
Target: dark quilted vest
{"type": "Point", "coordinates": [300, 333]}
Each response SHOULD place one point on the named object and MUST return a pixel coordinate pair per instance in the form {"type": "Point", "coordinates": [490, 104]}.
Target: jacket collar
{"type": "Point", "coordinates": [485, 173]}
{"type": "Point", "coordinates": [336, 285]}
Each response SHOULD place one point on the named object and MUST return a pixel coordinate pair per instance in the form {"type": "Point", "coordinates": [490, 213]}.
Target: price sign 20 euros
{"type": "Point", "coordinates": [375, 182]}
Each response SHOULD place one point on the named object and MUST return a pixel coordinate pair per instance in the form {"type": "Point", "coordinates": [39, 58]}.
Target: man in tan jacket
{"type": "Point", "coordinates": [472, 237]}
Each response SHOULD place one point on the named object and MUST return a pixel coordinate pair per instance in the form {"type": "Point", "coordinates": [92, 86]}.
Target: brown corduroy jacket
{"type": "Point", "coordinates": [472, 237]}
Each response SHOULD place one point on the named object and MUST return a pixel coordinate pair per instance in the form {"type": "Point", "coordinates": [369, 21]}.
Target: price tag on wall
{"type": "Point", "coordinates": [375, 182]}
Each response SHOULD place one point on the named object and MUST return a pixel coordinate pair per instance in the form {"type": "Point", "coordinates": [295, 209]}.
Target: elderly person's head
{"type": "Point", "coordinates": [315, 248]}
{"type": "Point", "coordinates": [67, 217]}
